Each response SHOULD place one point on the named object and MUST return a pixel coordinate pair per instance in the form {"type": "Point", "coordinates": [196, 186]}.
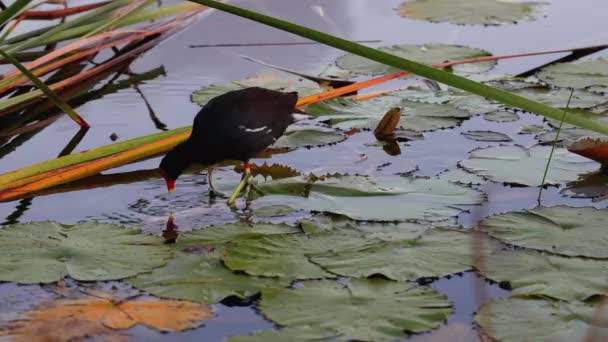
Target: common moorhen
{"type": "Point", "coordinates": [236, 125]}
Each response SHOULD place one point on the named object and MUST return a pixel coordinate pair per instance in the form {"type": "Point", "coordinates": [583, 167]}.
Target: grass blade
{"type": "Point", "coordinates": [414, 67]}
{"type": "Point", "coordinates": [47, 91]}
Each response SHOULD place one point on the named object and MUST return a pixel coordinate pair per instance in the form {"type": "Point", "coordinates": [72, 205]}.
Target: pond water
{"type": "Point", "coordinates": [146, 204]}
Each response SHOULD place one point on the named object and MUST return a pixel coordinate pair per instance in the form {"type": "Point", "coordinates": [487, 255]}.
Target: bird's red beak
{"type": "Point", "coordinates": [170, 182]}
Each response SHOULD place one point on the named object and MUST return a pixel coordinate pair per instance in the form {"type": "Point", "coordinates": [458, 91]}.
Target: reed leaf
{"type": "Point", "coordinates": [11, 11]}
{"type": "Point", "coordinates": [440, 76]}
{"type": "Point", "coordinates": [47, 91]}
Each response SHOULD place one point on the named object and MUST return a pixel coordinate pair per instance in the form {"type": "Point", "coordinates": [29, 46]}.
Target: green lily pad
{"type": "Point", "coordinates": [580, 74]}
{"type": "Point", "coordinates": [273, 210]}
{"type": "Point", "coordinates": [386, 231]}
{"type": "Point", "coordinates": [562, 230]}
{"type": "Point", "coordinates": [387, 198]}
{"type": "Point", "coordinates": [347, 113]}
{"type": "Point", "coordinates": [201, 277]}
{"type": "Point", "coordinates": [532, 129]}
{"type": "Point", "coordinates": [45, 252]}
{"type": "Point", "coordinates": [290, 334]}
{"type": "Point", "coordinates": [429, 54]}
{"type": "Point", "coordinates": [382, 309]}
{"type": "Point", "coordinates": [515, 319]}
{"type": "Point", "coordinates": [487, 136]}
{"type": "Point", "coordinates": [469, 12]}
{"type": "Point", "coordinates": [567, 136]}
{"type": "Point", "coordinates": [197, 272]}
{"type": "Point", "coordinates": [289, 255]}
{"type": "Point", "coordinates": [501, 116]}
{"type": "Point", "coordinates": [307, 137]}
{"type": "Point", "coordinates": [519, 165]}
{"type": "Point", "coordinates": [554, 97]}
{"type": "Point", "coordinates": [438, 253]}
{"type": "Point", "coordinates": [268, 79]}
{"type": "Point", "coordinates": [461, 176]}
{"type": "Point", "coordinates": [471, 103]}
{"type": "Point", "coordinates": [534, 274]}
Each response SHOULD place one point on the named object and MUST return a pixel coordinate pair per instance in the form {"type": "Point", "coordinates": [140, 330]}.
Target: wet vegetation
{"type": "Point", "coordinates": [438, 190]}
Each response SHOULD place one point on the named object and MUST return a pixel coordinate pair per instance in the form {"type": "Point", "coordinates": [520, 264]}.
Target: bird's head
{"type": "Point", "coordinates": [173, 164]}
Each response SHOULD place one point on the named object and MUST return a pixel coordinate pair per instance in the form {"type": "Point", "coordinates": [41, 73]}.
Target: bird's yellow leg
{"type": "Point", "coordinates": [209, 179]}
{"type": "Point", "coordinates": [241, 186]}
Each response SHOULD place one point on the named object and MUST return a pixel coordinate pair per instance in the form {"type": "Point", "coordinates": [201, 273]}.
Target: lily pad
{"type": "Point", "coordinates": [501, 116]}
{"type": "Point", "coordinates": [487, 136]}
{"type": "Point", "coordinates": [438, 253]}
{"type": "Point", "coordinates": [388, 198]}
{"type": "Point", "coordinates": [458, 175]}
{"type": "Point", "coordinates": [268, 79]}
{"type": "Point", "coordinates": [418, 116]}
{"type": "Point", "coordinates": [567, 136]}
{"type": "Point", "coordinates": [532, 129]}
{"type": "Point", "coordinates": [289, 255]}
{"type": "Point", "coordinates": [519, 165]}
{"type": "Point", "coordinates": [580, 74]}
{"type": "Point", "coordinates": [273, 211]}
{"type": "Point", "coordinates": [429, 54]}
{"type": "Point", "coordinates": [471, 103]}
{"type": "Point", "coordinates": [515, 319]}
{"type": "Point", "coordinates": [44, 252]}
{"type": "Point", "coordinates": [201, 278]}
{"type": "Point", "coordinates": [386, 231]}
{"type": "Point", "coordinates": [562, 230]}
{"type": "Point", "coordinates": [197, 273]}
{"type": "Point", "coordinates": [531, 273]}
{"type": "Point", "coordinates": [469, 12]}
{"type": "Point", "coordinates": [382, 309]}
{"type": "Point", "coordinates": [290, 334]}
{"type": "Point", "coordinates": [307, 137]}
{"type": "Point", "coordinates": [555, 97]}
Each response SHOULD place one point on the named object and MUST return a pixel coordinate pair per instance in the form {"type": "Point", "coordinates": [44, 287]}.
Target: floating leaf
{"type": "Point", "coordinates": [428, 54]}
{"type": "Point", "coordinates": [554, 97]}
{"type": "Point", "coordinates": [66, 329]}
{"type": "Point", "coordinates": [386, 231]}
{"type": "Point", "coordinates": [501, 116]}
{"type": "Point", "coordinates": [437, 253]}
{"type": "Point", "coordinates": [519, 165]}
{"type": "Point", "coordinates": [531, 129]}
{"type": "Point", "coordinates": [201, 277]}
{"type": "Point", "coordinates": [458, 175]}
{"type": "Point", "coordinates": [560, 229]}
{"type": "Point", "coordinates": [469, 12]}
{"type": "Point", "coordinates": [289, 334]}
{"type": "Point", "coordinates": [531, 273]}
{"type": "Point", "coordinates": [594, 184]}
{"type": "Point", "coordinates": [382, 309]}
{"type": "Point", "coordinates": [471, 103]}
{"type": "Point", "coordinates": [388, 198]}
{"type": "Point", "coordinates": [90, 317]}
{"type": "Point", "coordinates": [594, 149]}
{"type": "Point", "coordinates": [567, 136]}
{"type": "Point", "coordinates": [486, 136]}
{"type": "Point", "coordinates": [306, 137]}
{"type": "Point", "coordinates": [44, 252]}
{"type": "Point", "coordinates": [268, 79]}
{"type": "Point", "coordinates": [515, 319]}
{"type": "Point", "coordinates": [418, 116]}
{"type": "Point", "coordinates": [578, 75]}
{"type": "Point", "coordinates": [273, 210]}
{"type": "Point", "coordinates": [197, 273]}
{"type": "Point", "coordinates": [289, 255]}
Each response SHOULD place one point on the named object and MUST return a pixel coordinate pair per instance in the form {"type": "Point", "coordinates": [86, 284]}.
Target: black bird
{"type": "Point", "coordinates": [236, 125]}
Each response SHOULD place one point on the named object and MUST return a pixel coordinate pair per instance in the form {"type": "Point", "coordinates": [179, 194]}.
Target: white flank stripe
{"type": "Point", "coordinates": [298, 117]}
{"type": "Point", "coordinates": [252, 130]}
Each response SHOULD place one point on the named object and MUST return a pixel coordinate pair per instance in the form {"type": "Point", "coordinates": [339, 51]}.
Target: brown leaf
{"type": "Point", "coordinates": [275, 171]}
{"type": "Point", "coordinates": [59, 330]}
{"type": "Point", "coordinates": [388, 124]}
{"type": "Point", "coordinates": [595, 149]}
{"type": "Point", "coordinates": [63, 320]}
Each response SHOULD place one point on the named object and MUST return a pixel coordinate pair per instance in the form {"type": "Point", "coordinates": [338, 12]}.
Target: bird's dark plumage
{"type": "Point", "coordinates": [233, 126]}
